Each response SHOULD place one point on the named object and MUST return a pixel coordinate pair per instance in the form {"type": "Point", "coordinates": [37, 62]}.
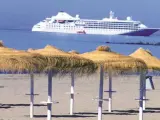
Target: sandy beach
{"type": "Point", "coordinates": [15, 104]}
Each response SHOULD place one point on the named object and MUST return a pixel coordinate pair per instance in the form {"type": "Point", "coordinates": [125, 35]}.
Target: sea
{"type": "Point", "coordinates": [18, 17]}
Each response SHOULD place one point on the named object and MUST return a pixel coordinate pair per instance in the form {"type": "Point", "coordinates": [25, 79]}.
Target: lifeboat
{"type": "Point", "coordinates": [81, 32]}
{"type": "Point", "coordinates": [61, 21]}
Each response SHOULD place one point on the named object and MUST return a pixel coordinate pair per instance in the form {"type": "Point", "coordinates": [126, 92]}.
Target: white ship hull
{"type": "Point", "coordinates": [87, 31]}
{"type": "Point", "coordinates": [64, 23]}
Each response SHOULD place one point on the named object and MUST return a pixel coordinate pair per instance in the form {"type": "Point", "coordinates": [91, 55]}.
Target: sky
{"type": "Point", "coordinates": [23, 14]}
{"type": "Point", "coordinates": [28, 12]}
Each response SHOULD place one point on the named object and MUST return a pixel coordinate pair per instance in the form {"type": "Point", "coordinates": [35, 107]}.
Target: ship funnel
{"type": "Point", "coordinates": [111, 15]}
{"type": "Point", "coordinates": [77, 16]}
{"type": "Point", "coordinates": [129, 18]}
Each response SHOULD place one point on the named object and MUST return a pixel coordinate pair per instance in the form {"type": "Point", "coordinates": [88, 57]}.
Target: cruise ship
{"type": "Point", "coordinates": [65, 23]}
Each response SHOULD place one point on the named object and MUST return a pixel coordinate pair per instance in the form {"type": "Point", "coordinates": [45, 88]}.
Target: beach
{"type": "Point", "coordinates": [15, 103]}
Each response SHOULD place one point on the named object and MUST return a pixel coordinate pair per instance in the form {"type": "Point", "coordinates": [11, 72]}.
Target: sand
{"type": "Point", "coordinates": [15, 104]}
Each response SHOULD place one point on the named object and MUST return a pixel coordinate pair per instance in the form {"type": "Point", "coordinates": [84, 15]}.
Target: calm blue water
{"type": "Point", "coordinates": [23, 15]}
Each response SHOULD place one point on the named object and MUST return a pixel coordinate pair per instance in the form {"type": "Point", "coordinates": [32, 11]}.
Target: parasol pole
{"type": "Point", "coordinates": [72, 94]}
{"type": "Point", "coordinates": [49, 103]}
{"type": "Point", "coordinates": [110, 92]}
{"type": "Point", "coordinates": [31, 95]}
{"type": "Point", "coordinates": [100, 102]}
{"type": "Point", "coordinates": [141, 92]}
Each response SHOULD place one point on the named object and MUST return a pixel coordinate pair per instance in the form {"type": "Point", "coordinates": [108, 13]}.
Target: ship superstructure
{"type": "Point", "coordinates": [65, 23]}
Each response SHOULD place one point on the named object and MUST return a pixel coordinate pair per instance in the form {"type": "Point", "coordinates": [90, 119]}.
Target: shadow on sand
{"type": "Point", "coordinates": [122, 112]}
{"type": "Point", "coordinates": [106, 113]}
{"type": "Point", "coordinates": [149, 108]}
{"type": "Point", "coordinates": [19, 105]}
{"type": "Point", "coordinates": [136, 111]}
{"type": "Point", "coordinates": [1, 86]}
{"type": "Point", "coordinates": [5, 106]}
{"type": "Point", "coordinates": [62, 116]}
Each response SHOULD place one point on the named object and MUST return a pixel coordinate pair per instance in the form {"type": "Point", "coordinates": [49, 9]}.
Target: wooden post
{"type": "Point", "coordinates": [141, 95]}
{"type": "Point", "coordinates": [144, 92]}
{"type": "Point", "coordinates": [110, 91]}
{"type": "Point", "coordinates": [100, 102]}
{"type": "Point", "coordinates": [31, 95]}
{"type": "Point", "coordinates": [49, 104]}
{"type": "Point", "coordinates": [72, 94]}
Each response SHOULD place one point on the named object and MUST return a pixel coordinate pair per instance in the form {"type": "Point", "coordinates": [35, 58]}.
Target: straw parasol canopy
{"type": "Point", "coordinates": [63, 61]}
{"type": "Point", "coordinates": [12, 60]}
{"type": "Point", "coordinates": [48, 50]}
{"type": "Point", "coordinates": [151, 61]}
{"type": "Point", "coordinates": [115, 61]}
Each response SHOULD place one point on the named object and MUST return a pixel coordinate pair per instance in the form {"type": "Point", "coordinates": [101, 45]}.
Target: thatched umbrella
{"type": "Point", "coordinates": [112, 61]}
{"type": "Point", "coordinates": [151, 61]}
{"type": "Point", "coordinates": [16, 61]}
{"type": "Point", "coordinates": [70, 63]}
{"type": "Point", "coordinates": [21, 61]}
